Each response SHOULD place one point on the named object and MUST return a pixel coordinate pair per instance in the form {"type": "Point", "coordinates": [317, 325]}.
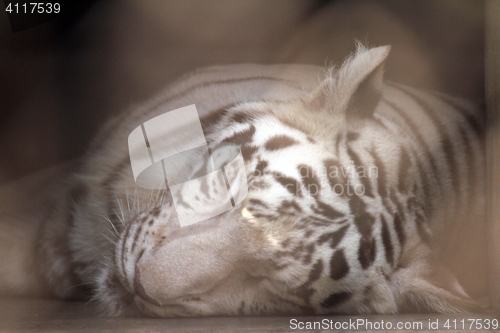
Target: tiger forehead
{"type": "Point", "coordinates": [275, 133]}
{"type": "Point", "coordinates": [295, 114]}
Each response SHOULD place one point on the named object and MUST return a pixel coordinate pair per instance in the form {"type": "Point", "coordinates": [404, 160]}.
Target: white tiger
{"type": "Point", "coordinates": [374, 247]}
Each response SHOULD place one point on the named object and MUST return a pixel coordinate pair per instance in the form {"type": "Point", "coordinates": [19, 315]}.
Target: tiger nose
{"type": "Point", "coordinates": [139, 288]}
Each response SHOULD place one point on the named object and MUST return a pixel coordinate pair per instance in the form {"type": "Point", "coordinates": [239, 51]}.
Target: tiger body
{"type": "Point", "coordinates": [351, 183]}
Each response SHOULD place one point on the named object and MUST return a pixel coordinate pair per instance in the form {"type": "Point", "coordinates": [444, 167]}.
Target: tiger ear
{"type": "Point", "coordinates": [356, 88]}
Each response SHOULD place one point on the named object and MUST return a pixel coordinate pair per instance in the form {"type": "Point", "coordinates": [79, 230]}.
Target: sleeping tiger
{"type": "Point", "coordinates": [363, 197]}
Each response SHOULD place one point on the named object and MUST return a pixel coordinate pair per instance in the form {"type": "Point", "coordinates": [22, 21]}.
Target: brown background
{"type": "Point", "coordinates": [61, 80]}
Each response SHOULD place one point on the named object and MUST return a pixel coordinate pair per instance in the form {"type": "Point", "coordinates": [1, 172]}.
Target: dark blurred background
{"type": "Point", "coordinates": [59, 81]}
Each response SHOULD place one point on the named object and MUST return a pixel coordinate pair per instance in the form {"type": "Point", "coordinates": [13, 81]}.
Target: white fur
{"type": "Point", "coordinates": [130, 248]}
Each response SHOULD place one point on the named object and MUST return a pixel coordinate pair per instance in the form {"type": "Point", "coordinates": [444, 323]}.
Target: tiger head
{"type": "Point", "coordinates": [308, 237]}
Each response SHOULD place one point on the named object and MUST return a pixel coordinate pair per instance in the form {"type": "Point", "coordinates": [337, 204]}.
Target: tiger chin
{"type": "Point", "coordinates": [297, 244]}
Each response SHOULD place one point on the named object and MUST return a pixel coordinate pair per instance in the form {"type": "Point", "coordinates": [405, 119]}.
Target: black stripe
{"type": "Point", "coordinates": [136, 237]}
{"type": "Point", "coordinates": [247, 151]}
{"type": "Point", "coordinates": [304, 291]}
{"type": "Point", "coordinates": [266, 216]}
{"type": "Point", "coordinates": [214, 117]}
{"type": "Point", "coordinates": [398, 226]}
{"type": "Point", "coordinates": [155, 213]}
{"type": "Point", "coordinates": [278, 142]}
{"type": "Point", "coordinates": [334, 238]}
{"type": "Point", "coordinates": [418, 136]}
{"type": "Point", "coordinates": [424, 183]}
{"type": "Point", "coordinates": [408, 158]}
{"type": "Point", "coordinates": [260, 168]}
{"type": "Point", "coordinates": [309, 252]}
{"type": "Point", "coordinates": [315, 273]}
{"type": "Point", "coordinates": [286, 242]}
{"type": "Point", "coordinates": [297, 251]}
{"type": "Point", "coordinates": [241, 117]}
{"type": "Point", "coordinates": [449, 153]}
{"type": "Point", "coordinates": [363, 220]}
{"type": "Point", "coordinates": [381, 179]}
{"type": "Point", "coordinates": [386, 241]}
{"type": "Point", "coordinates": [257, 202]}
{"type": "Point", "coordinates": [292, 185]}
{"type": "Point", "coordinates": [287, 205]}
{"type": "Point", "coordinates": [335, 178]}
{"type": "Point", "coordinates": [336, 299]}
{"type": "Point", "coordinates": [310, 180]}
{"type": "Point", "coordinates": [403, 171]}
{"type": "Point", "coordinates": [338, 265]}
{"type": "Point", "coordinates": [367, 251]}
{"type": "Point", "coordinates": [316, 221]}
{"type": "Point", "coordinates": [352, 136]}
{"type": "Point", "coordinates": [241, 309]}
{"type": "Point", "coordinates": [327, 211]}
{"type": "Point", "coordinates": [241, 138]}
{"type": "Point", "coordinates": [477, 125]}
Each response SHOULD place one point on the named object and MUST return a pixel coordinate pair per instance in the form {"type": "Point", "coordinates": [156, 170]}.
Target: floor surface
{"type": "Point", "coordinates": [30, 315]}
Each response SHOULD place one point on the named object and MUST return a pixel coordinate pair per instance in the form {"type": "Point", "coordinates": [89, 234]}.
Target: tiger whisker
{"type": "Point", "coordinates": [121, 209]}
{"type": "Point", "coordinates": [112, 242]}
{"type": "Point", "coordinates": [119, 217]}
{"type": "Point", "coordinates": [128, 202]}
{"type": "Point", "coordinates": [109, 220]}
{"type": "Point", "coordinates": [100, 252]}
